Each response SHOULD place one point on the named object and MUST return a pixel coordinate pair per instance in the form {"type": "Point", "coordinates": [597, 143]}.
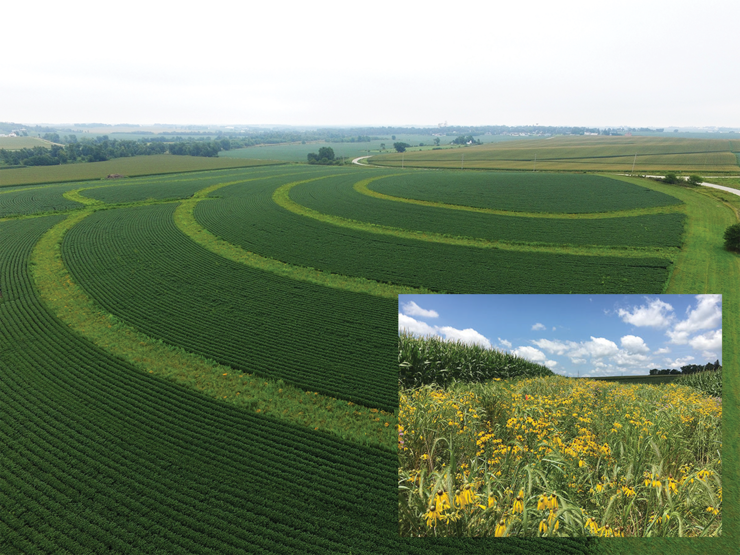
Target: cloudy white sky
{"type": "Point", "coordinates": [572, 62]}
{"type": "Point", "coordinates": [586, 335]}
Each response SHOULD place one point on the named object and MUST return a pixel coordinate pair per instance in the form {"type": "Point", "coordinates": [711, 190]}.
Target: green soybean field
{"type": "Point", "coordinates": [206, 362]}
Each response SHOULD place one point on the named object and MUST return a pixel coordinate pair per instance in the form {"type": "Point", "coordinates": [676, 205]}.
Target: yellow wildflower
{"type": "Point", "coordinates": [433, 515]}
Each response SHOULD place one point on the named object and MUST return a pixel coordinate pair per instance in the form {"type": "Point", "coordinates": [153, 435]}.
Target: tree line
{"type": "Point", "coordinates": [688, 369]}
{"type": "Point", "coordinates": [103, 149]}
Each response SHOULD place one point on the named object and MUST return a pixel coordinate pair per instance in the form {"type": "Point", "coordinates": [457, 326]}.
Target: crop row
{"type": "Point", "coordinates": [137, 265]}
{"type": "Point", "coordinates": [24, 201]}
{"type": "Point", "coordinates": [175, 187]}
{"type": "Point", "coordinates": [337, 197]}
{"type": "Point", "coordinates": [246, 216]}
{"type": "Point", "coordinates": [523, 192]}
{"type": "Point", "coordinates": [99, 457]}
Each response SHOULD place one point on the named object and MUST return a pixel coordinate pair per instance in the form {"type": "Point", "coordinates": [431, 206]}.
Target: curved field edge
{"type": "Point", "coordinates": [72, 306]}
{"type": "Point", "coordinates": [362, 188]}
{"type": "Point", "coordinates": [281, 197]}
{"type": "Point", "coordinates": [186, 222]}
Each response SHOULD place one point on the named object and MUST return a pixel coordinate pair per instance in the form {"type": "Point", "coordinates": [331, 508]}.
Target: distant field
{"type": "Point", "coordinates": [137, 165]}
{"type": "Point", "coordinates": [17, 143]}
{"type": "Point", "coordinates": [298, 152]}
{"type": "Point", "coordinates": [581, 153]}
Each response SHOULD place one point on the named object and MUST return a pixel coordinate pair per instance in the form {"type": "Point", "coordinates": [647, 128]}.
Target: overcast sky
{"type": "Point", "coordinates": [656, 63]}
{"type": "Point", "coordinates": [586, 335]}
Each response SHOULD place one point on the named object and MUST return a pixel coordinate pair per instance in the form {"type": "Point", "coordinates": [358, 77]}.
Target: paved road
{"type": "Point", "coordinates": [704, 184]}
{"type": "Point", "coordinates": [357, 161]}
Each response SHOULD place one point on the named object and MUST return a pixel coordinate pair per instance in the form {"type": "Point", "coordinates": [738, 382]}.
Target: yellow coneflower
{"type": "Point", "coordinates": [554, 501]}
{"type": "Point", "coordinates": [500, 529]}
{"type": "Point", "coordinates": [432, 516]}
{"type": "Point", "coordinates": [442, 500]}
{"type": "Point", "coordinates": [543, 503]}
{"type": "Point", "coordinates": [468, 497]}
{"type": "Point", "coordinates": [543, 526]}
{"type": "Point", "coordinates": [591, 525]}
{"type": "Point", "coordinates": [518, 504]}
{"type": "Point", "coordinates": [712, 510]}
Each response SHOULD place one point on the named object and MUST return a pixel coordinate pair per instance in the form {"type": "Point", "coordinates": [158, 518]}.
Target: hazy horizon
{"type": "Point", "coordinates": [574, 63]}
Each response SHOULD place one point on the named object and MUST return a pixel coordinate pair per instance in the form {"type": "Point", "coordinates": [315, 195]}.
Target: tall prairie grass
{"type": "Point", "coordinates": [553, 456]}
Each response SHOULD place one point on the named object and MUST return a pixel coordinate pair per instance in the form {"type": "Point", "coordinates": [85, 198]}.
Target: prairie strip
{"type": "Point", "coordinates": [274, 398]}
{"type": "Point", "coordinates": [187, 223]}
{"type": "Point", "coordinates": [281, 196]}
{"type": "Point", "coordinates": [362, 188]}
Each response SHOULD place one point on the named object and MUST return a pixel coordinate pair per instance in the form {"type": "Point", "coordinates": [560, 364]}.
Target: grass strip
{"type": "Point", "coordinates": [362, 188]}
{"type": "Point", "coordinates": [186, 222]}
{"type": "Point", "coordinates": [270, 397]}
{"type": "Point", "coordinates": [281, 196]}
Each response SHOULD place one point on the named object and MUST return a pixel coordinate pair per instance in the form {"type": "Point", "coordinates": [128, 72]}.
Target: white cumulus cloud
{"type": "Point", "coordinates": [706, 315]}
{"type": "Point", "coordinates": [469, 336]}
{"type": "Point", "coordinates": [409, 324]}
{"type": "Point", "coordinates": [656, 314]}
{"type": "Point", "coordinates": [412, 309]}
{"type": "Point", "coordinates": [634, 344]}
{"type": "Point", "coordinates": [504, 343]}
{"type": "Point", "coordinates": [709, 341]}
{"type": "Point", "coordinates": [538, 327]}
{"type": "Point", "coordinates": [555, 347]}
{"type": "Point", "coordinates": [530, 353]}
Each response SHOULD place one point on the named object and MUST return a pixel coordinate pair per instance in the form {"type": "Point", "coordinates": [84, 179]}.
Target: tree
{"type": "Point", "coordinates": [695, 180]}
{"type": "Point", "coordinates": [401, 147]}
{"type": "Point", "coordinates": [393, 137]}
{"type": "Point", "coordinates": [436, 141]}
{"type": "Point", "coordinates": [326, 152]}
{"type": "Point", "coordinates": [732, 238]}
{"type": "Point", "coordinates": [382, 146]}
{"type": "Point", "coordinates": [671, 178]}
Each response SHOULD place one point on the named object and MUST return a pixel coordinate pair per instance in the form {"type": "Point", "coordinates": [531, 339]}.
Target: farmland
{"type": "Point", "coordinates": [17, 143]}
{"type": "Point", "coordinates": [130, 167]}
{"type": "Point", "coordinates": [204, 362]}
{"type": "Point", "coordinates": [573, 153]}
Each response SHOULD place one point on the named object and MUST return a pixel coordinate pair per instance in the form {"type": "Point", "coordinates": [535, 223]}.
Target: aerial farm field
{"type": "Point", "coordinates": [639, 155]}
{"type": "Point", "coordinates": [206, 362]}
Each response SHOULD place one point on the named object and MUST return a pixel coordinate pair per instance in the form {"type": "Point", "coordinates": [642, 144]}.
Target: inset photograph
{"type": "Point", "coordinates": [560, 415]}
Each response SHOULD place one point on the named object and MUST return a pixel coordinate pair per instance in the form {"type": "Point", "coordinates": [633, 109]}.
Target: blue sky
{"type": "Point", "coordinates": [586, 335]}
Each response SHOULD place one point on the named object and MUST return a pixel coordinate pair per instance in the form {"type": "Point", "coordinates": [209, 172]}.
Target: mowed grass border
{"type": "Point", "coordinates": [270, 397]}
{"type": "Point", "coordinates": [281, 197]}
{"type": "Point", "coordinates": [362, 188]}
